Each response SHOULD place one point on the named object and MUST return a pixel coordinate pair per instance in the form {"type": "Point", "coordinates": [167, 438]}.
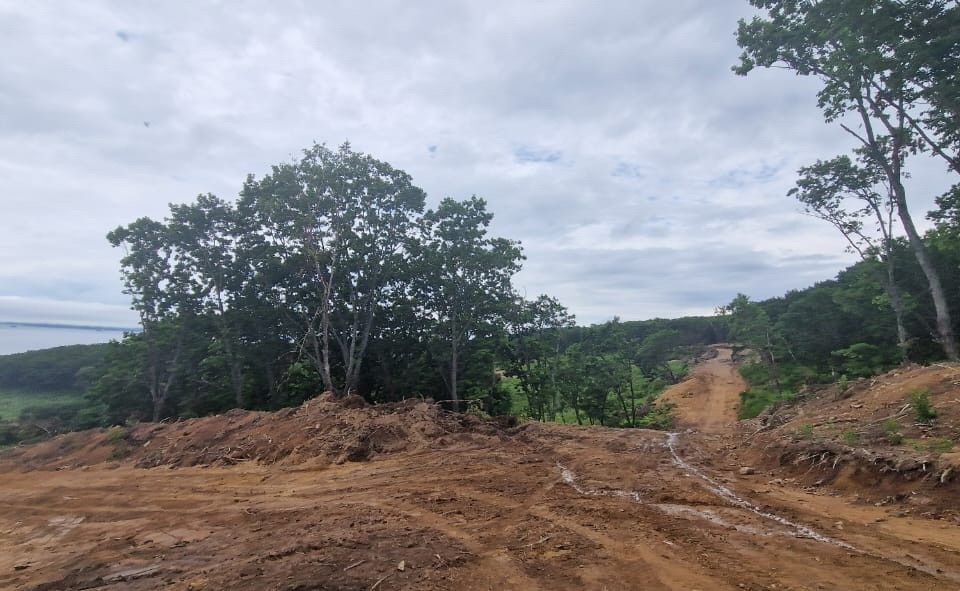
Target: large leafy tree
{"type": "Point", "coordinates": [462, 279]}
{"type": "Point", "coordinates": [204, 236]}
{"type": "Point", "coordinates": [339, 220]}
{"type": "Point", "coordinates": [155, 283]}
{"type": "Point", "coordinates": [870, 89]}
{"type": "Point", "coordinates": [536, 341]}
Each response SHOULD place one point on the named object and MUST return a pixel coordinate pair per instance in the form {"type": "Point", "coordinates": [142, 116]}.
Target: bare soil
{"type": "Point", "coordinates": [344, 496]}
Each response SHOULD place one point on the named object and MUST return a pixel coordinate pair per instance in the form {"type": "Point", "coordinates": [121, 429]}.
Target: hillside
{"type": "Point", "coordinates": [342, 495]}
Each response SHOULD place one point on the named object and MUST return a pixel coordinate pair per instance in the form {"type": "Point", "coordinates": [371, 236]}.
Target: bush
{"type": "Point", "coordinates": [851, 437]}
{"type": "Point", "coordinates": [891, 430]}
{"type": "Point", "coordinates": [660, 417]}
{"type": "Point", "coordinates": [920, 401]}
{"type": "Point", "coordinates": [755, 400]}
{"type": "Point", "coordinates": [860, 359]}
{"type": "Point", "coordinates": [806, 431]}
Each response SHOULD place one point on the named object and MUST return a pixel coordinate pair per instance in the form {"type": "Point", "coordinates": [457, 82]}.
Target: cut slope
{"type": "Point", "coordinates": [867, 441]}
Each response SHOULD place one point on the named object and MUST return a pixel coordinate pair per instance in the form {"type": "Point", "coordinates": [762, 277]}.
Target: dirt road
{"type": "Point", "coordinates": [707, 401]}
{"type": "Point", "coordinates": [546, 507]}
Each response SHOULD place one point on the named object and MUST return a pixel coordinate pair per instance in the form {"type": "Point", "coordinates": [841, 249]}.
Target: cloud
{"type": "Point", "coordinates": [642, 176]}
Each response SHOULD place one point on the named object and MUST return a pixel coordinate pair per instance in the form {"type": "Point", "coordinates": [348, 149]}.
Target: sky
{"type": "Point", "coordinates": [643, 178]}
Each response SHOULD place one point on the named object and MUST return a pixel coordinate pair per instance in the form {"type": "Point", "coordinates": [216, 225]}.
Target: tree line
{"type": "Point", "coordinates": [330, 274]}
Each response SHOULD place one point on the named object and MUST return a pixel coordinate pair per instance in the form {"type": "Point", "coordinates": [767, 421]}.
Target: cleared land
{"type": "Point", "coordinates": [342, 496]}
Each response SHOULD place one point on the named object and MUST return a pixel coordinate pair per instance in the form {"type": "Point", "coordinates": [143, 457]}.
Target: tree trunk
{"type": "Point", "coordinates": [896, 302]}
{"type": "Point", "coordinates": [454, 362]}
{"type": "Point", "coordinates": [944, 323]}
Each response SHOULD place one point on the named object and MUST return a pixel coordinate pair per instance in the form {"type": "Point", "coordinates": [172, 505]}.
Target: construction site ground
{"type": "Point", "coordinates": [347, 497]}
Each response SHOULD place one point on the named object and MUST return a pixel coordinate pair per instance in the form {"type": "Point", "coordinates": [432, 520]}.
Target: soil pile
{"type": "Point", "coordinates": [322, 430]}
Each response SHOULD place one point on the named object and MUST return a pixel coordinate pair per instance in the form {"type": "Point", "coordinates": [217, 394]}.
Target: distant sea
{"type": "Point", "coordinates": [17, 338]}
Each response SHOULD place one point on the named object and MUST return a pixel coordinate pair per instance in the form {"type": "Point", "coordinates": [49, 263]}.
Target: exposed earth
{"type": "Point", "coordinates": [339, 495]}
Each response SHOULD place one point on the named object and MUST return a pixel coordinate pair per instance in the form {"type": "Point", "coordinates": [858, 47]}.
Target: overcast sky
{"type": "Point", "coordinates": [643, 177]}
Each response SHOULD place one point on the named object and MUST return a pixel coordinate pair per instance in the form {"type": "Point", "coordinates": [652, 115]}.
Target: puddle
{"type": "Point", "coordinates": [569, 478]}
{"type": "Point", "coordinates": [798, 530]}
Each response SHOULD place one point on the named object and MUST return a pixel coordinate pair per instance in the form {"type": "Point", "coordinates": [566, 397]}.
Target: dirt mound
{"type": "Point", "coordinates": [867, 439]}
{"type": "Point", "coordinates": [322, 430]}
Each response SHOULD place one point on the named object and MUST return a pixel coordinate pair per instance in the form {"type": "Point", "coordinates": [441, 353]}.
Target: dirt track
{"type": "Point", "coordinates": [546, 507]}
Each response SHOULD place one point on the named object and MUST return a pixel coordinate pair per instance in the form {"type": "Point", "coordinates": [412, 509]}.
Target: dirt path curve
{"type": "Point", "coordinates": [708, 399]}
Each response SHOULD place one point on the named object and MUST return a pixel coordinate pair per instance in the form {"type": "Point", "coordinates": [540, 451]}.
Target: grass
{"type": "Point", "coordinates": [936, 445]}
{"type": "Point", "coordinates": [851, 437]}
{"type": "Point", "coordinates": [13, 402]}
{"type": "Point", "coordinates": [756, 399]}
{"type": "Point", "coordinates": [891, 430]}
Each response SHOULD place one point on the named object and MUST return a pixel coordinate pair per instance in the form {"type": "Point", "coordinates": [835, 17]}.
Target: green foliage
{"type": "Point", "coordinates": [757, 399]}
{"type": "Point", "coordinates": [14, 403]}
{"type": "Point", "coordinates": [860, 360]}
{"type": "Point", "coordinates": [662, 417]}
{"type": "Point", "coordinates": [922, 408]}
{"type": "Point", "coordinates": [843, 383]}
{"type": "Point", "coordinates": [117, 435]}
{"type": "Point", "coordinates": [806, 431]}
{"type": "Point", "coordinates": [891, 431]}
{"type": "Point", "coordinates": [60, 369]}
{"type": "Point", "coordinates": [850, 437]}
{"type": "Point", "coordinates": [940, 445]}
{"type": "Point", "coordinates": [881, 64]}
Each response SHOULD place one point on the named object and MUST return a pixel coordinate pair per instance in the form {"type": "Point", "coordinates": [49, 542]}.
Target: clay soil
{"type": "Point", "coordinates": [337, 495]}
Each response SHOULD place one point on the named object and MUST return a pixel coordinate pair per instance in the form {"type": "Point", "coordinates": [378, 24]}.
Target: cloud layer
{"type": "Point", "coordinates": [642, 176]}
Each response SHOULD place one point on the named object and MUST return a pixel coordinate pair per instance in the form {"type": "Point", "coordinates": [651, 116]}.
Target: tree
{"type": "Point", "coordinates": [462, 281]}
{"type": "Point", "coordinates": [204, 236]}
{"type": "Point", "coordinates": [535, 328]}
{"type": "Point", "coordinates": [750, 324]}
{"type": "Point", "coordinates": [849, 197]}
{"type": "Point", "coordinates": [154, 283]}
{"type": "Point", "coordinates": [342, 218]}
{"type": "Point", "coordinates": [852, 46]}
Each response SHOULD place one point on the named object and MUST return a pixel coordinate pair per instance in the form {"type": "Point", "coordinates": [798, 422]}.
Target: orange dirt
{"type": "Point", "coordinates": [707, 401]}
{"type": "Point", "coordinates": [461, 504]}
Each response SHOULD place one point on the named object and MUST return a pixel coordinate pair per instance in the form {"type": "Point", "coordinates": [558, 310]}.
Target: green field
{"type": "Point", "coordinates": [13, 402]}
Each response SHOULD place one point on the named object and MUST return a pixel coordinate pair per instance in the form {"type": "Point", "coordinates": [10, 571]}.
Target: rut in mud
{"type": "Point", "coordinates": [463, 506]}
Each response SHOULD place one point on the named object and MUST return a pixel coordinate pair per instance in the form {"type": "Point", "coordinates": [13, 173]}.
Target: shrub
{"type": "Point", "coordinates": [920, 401]}
{"type": "Point", "coordinates": [851, 437]}
{"type": "Point", "coordinates": [843, 383]}
{"type": "Point", "coordinates": [117, 435]}
{"type": "Point", "coordinates": [660, 417]}
{"type": "Point", "coordinates": [891, 430]}
{"type": "Point", "coordinates": [756, 399]}
{"type": "Point", "coordinates": [806, 431]}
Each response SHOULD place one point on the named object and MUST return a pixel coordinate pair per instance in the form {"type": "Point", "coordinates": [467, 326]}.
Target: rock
{"type": "Point", "coordinates": [745, 471]}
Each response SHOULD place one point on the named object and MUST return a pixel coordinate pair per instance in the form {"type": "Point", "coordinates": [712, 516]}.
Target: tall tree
{"type": "Point", "coordinates": [858, 203]}
{"type": "Point", "coordinates": [154, 284]}
{"type": "Point", "coordinates": [851, 46]}
{"type": "Point", "coordinates": [204, 236]}
{"type": "Point", "coordinates": [535, 328]}
{"type": "Point", "coordinates": [462, 282]}
{"type": "Point", "coordinates": [342, 217]}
